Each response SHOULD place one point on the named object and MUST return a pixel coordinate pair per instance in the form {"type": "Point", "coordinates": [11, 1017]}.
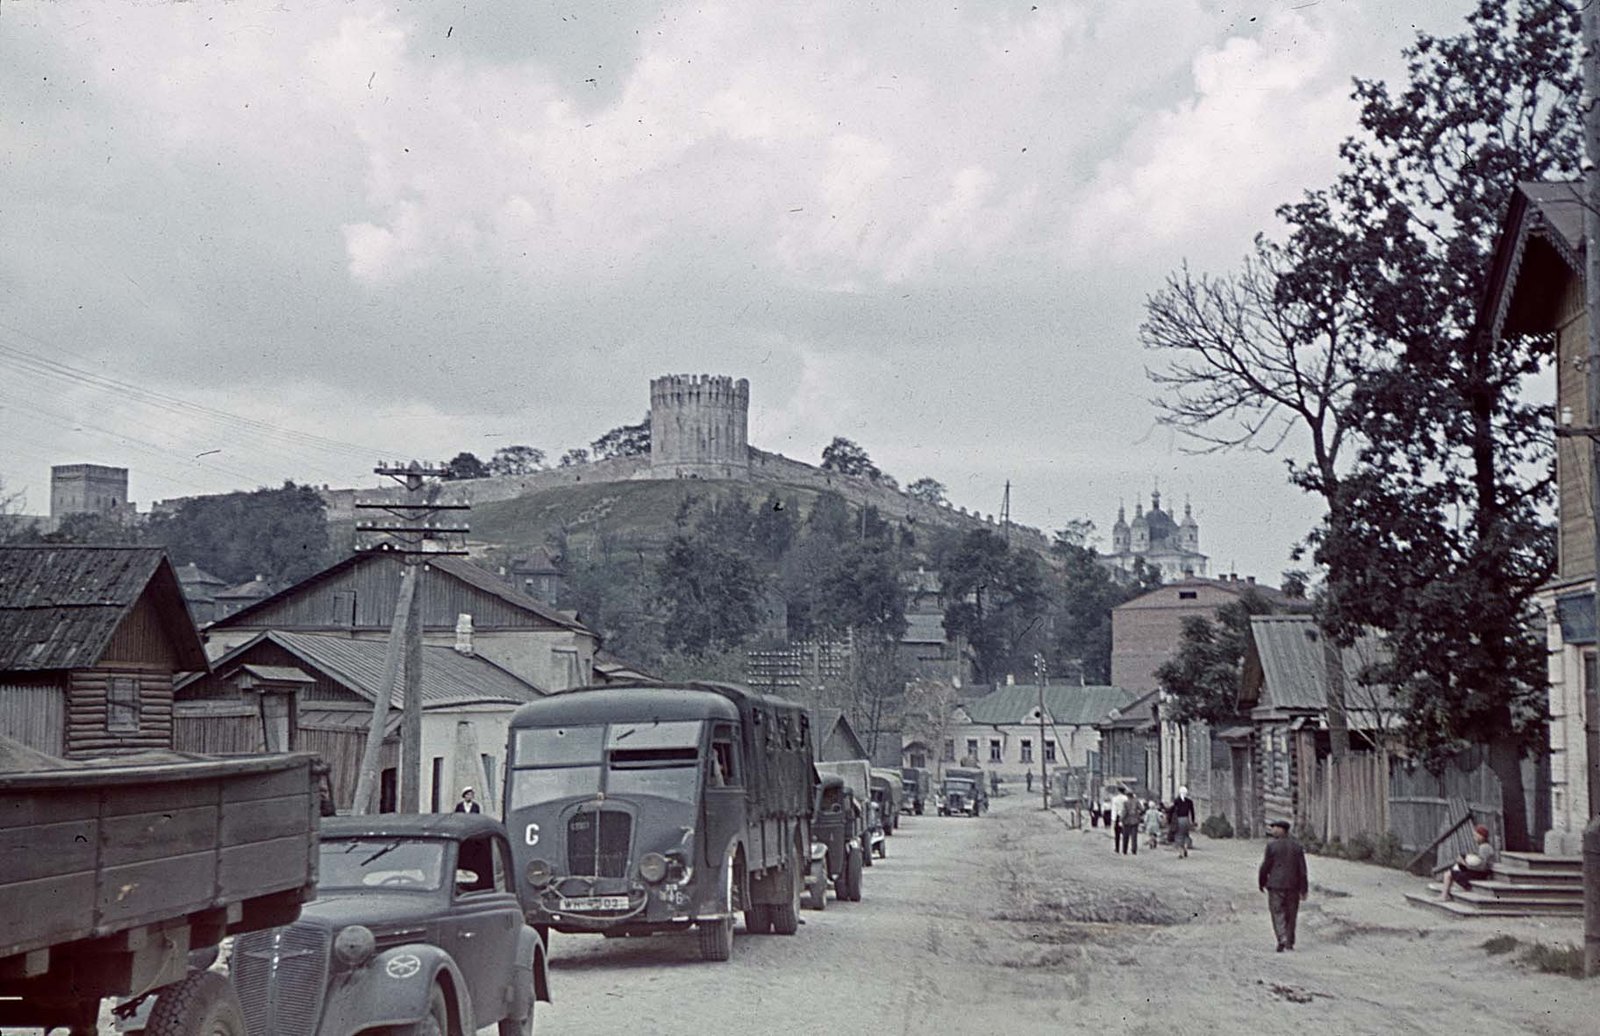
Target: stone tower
{"type": "Point", "coordinates": [699, 427]}
{"type": "Point", "coordinates": [87, 489]}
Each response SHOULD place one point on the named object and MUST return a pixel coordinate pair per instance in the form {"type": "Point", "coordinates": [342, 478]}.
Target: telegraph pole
{"type": "Point", "coordinates": [1039, 671]}
{"type": "Point", "coordinates": [415, 532]}
{"type": "Point", "coordinates": [1591, 304]}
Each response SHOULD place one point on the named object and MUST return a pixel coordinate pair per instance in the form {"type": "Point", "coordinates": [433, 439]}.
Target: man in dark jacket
{"type": "Point", "coordinates": [1283, 878]}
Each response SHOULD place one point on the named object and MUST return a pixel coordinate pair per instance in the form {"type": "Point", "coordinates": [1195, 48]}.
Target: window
{"type": "Point", "coordinates": [949, 750]}
{"type": "Point", "coordinates": [972, 748]}
{"type": "Point", "coordinates": [1027, 750]}
{"type": "Point", "coordinates": [122, 705]}
{"type": "Point", "coordinates": [1187, 595]}
{"type": "Point", "coordinates": [995, 755]}
{"type": "Point", "coordinates": [1050, 751]}
{"type": "Point", "coordinates": [438, 783]}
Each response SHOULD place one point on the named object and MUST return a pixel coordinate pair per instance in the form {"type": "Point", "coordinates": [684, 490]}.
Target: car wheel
{"type": "Point", "coordinates": [758, 918]}
{"type": "Point", "coordinates": [435, 1023]}
{"type": "Point", "coordinates": [866, 852]}
{"type": "Point", "coordinates": [202, 1003]}
{"type": "Point", "coordinates": [853, 867]}
{"type": "Point", "coordinates": [523, 1026]}
{"type": "Point", "coordinates": [716, 939]}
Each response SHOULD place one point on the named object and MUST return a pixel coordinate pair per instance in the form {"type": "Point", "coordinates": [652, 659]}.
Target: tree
{"type": "Point", "coordinates": [1084, 594]}
{"type": "Point", "coordinates": [995, 599]}
{"type": "Point", "coordinates": [928, 714]}
{"type": "Point", "coordinates": [1203, 677]}
{"type": "Point", "coordinates": [11, 522]}
{"type": "Point", "coordinates": [279, 534]}
{"type": "Point", "coordinates": [1444, 538]}
{"type": "Point", "coordinates": [516, 460]}
{"type": "Point", "coordinates": [709, 590]}
{"type": "Point", "coordinates": [774, 527]}
{"type": "Point", "coordinates": [577, 455]}
{"type": "Point", "coordinates": [929, 490]}
{"type": "Point", "coordinates": [846, 458]}
{"type": "Point", "coordinates": [629, 440]}
{"type": "Point", "coordinates": [465, 465]}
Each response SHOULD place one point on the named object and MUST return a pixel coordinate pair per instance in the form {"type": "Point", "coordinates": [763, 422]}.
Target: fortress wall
{"type": "Point", "coordinates": [341, 502]}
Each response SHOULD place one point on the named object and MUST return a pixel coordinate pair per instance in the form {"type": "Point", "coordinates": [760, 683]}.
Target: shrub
{"type": "Point", "coordinates": [1217, 827]}
{"type": "Point", "coordinates": [1500, 944]}
{"type": "Point", "coordinates": [1555, 960]}
{"type": "Point", "coordinates": [1388, 851]}
{"type": "Point", "coordinates": [1358, 848]}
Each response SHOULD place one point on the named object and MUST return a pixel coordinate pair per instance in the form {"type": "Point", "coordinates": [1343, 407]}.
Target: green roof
{"type": "Point", "coordinates": [1065, 704]}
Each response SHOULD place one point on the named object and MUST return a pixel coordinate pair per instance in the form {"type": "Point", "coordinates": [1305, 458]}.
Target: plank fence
{"type": "Point", "coordinates": [1348, 799]}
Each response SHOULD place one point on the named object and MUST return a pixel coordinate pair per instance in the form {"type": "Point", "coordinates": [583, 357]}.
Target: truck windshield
{"type": "Point", "coordinates": [558, 746]}
{"type": "Point", "coordinates": [669, 773]}
{"type": "Point", "coordinates": [364, 863]}
{"type": "Point", "coordinates": [532, 786]}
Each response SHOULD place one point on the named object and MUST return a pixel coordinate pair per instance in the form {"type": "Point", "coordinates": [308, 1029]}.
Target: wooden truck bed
{"type": "Point", "coordinates": [109, 873]}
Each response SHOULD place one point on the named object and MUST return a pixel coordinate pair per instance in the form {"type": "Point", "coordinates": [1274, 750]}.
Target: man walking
{"type": "Point", "coordinates": [1283, 878]}
{"type": "Point", "coordinates": [1132, 814]}
{"type": "Point", "coordinates": [1119, 800]}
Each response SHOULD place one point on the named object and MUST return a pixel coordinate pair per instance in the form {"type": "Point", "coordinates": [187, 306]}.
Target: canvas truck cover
{"type": "Point", "coordinates": [856, 774]}
{"type": "Point", "coordinates": [777, 751]}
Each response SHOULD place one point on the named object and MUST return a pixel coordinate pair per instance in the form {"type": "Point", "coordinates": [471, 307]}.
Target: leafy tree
{"type": "Point", "coordinates": [12, 526]}
{"type": "Point", "coordinates": [516, 460]}
{"type": "Point", "coordinates": [847, 458]}
{"type": "Point", "coordinates": [1084, 593]}
{"type": "Point", "coordinates": [629, 440]}
{"type": "Point", "coordinates": [280, 534]}
{"type": "Point", "coordinates": [465, 465]}
{"type": "Point", "coordinates": [775, 527]}
{"type": "Point", "coordinates": [1444, 537]}
{"type": "Point", "coordinates": [929, 491]}
{"type": "Point", "coordinates": [86, 527]}
{"type": "Point", "coordinates": [996, 599]}
{"type": "Point", "coordinates": [577, 455]}
{"type": "Point", "coordinates": [1203, 677]}
{"type": "Point", "coordinates": [709, 590]}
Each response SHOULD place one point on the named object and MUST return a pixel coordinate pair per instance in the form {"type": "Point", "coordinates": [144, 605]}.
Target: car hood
{"type": "Point", "coordinates": [376, 910]}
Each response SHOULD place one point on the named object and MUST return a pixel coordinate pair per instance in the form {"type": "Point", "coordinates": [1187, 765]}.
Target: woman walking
{"type": "Point", "coordinates": [1182, 814]}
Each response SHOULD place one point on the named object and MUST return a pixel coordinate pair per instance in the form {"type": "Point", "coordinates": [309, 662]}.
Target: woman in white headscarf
{"type": "Point", "coordinates": [1182, 816]}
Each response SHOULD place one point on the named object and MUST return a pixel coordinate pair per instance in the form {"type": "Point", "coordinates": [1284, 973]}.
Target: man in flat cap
{"type": "Point", "coordinates": [1283, 878]}
{"type": "Point", "coordinates": [467, 805]}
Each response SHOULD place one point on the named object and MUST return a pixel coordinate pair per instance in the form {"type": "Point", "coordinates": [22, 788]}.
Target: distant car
{"type": "Point", "coordinates": [962, 793]}
{"type": "Point", "coordinates": [416, 931]}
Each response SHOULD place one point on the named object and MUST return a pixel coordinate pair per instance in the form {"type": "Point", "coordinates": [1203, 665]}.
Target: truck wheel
{"type": "Point", "coordinates": [523, 1026]}
{"type": "Point", "coordinates": [758, 918]}
{"type": "Point", "coordinates": [716, 938]}
{"type": "Point", "coordinates": [883, 849]}
{"type": "Point", "coordinates": [852, 866]}
{"type": "Point", "coordinates": [785, 917]}
{"type": "Point", "coordinates": [203, 1003]}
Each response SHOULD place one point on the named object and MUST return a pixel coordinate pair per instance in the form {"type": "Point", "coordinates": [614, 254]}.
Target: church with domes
{"type": "Point", "coordinates": [1169, 546]}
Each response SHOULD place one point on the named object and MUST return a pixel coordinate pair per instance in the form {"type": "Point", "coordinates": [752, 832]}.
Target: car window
{"type": "Point", "coordinates": [475, 865]}
{"type": "Point", "coordinates": [502, 866]}
{"type": "Point", "coordinates": [396, 863]}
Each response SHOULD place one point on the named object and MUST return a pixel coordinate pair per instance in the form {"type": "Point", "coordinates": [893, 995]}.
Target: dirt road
{"type": "Point", "coordinates": [1013, 923]}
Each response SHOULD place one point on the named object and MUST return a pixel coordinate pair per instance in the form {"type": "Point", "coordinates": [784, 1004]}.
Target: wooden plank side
{"type": "Point", "coordinates": [139, 893]}
{"type": "Point", "coordinates": [152, 836]}
{"type": "Point", "coordinates": [154, 797]}
{"type": "Point", "coordinates": [262, 820]}
{"type": "Point", "coordinates": [27, 853]}
{"type": "Point", "coordinates": [296, 781]}
{"type": "Point", "coordinates": [34, 714]}
{"type": "Point", "coordinates": [44, 911]}
{"type": "Point", "coordinates": [25, 809]}
{"type": "Point", "coordinates": [261, 867]}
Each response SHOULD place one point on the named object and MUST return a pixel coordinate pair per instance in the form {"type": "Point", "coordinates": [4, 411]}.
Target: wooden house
{"type": "Point", "coordinates": [1129, 744]}
{"type": "Point", "coordinates": [355, 599]}
{"type": "Point", "coordinates": [835, 738]}
{"type": "Point", "coordinates": [91, 640]}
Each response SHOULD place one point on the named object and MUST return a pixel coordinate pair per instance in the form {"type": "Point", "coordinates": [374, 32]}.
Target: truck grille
{"type": "Point", "coordinates": [281, 975]}
{"type": "Point", "coordinates": [597, 843]}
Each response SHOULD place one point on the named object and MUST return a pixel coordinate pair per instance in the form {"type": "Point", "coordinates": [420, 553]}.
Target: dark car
{"type": "Point", "coordinates": [838, 833]}
{"type": "Point", "coordinates": [962, 793]}
{"type": "Point", "coordinates": [416, 930]}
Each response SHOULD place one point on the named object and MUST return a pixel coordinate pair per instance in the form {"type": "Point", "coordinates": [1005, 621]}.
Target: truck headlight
{"type": "Point", "coordinates": [539, 873]}
{"type": "Point", "coordinates": [652, 867]}
{"type": "Point", "coordinates": [354, 945]}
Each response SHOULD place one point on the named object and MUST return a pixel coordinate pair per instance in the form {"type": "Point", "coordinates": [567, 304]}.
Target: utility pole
{"type": "Point", "coordinates": [1039, 671]}
{"type": "Point", "coordinates": [415, 533]}
{"type": "Point", "coordinates": [1591, 374]}
{"type": "Point", "coordinates": [1005, 514]}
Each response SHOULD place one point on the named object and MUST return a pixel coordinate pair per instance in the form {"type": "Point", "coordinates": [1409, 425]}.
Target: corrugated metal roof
{"type": "Point", "coordinates": [449, 678]}
{"type": "Point", "coordinates": [1065, 704]}
{"type": "Point", "coordinates": [60, 604]}
{"type": "Point", "coordinates": [924, 629]}
{"type": "Point", "coordinates": [1293, 672]}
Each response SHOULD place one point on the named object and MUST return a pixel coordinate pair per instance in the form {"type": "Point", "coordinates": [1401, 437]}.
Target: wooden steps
{"type": "Point", "coordinates": [1524, 885]}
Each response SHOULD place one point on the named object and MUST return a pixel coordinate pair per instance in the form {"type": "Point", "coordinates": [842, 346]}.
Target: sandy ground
{"type": "Point", "coordinates": [1014, 923]}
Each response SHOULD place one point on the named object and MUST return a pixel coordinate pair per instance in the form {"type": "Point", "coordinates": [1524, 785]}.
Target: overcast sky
{"type": "Point", "coordinates": [257, 242]}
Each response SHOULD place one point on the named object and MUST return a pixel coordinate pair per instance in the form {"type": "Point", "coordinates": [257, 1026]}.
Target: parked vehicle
{"type": "Point", "coordinates": [838, 844]}
{"type": "Point", "coordinates": [654, 807]}
{"type": "Point", "coordinates": [117, 872]}
{"type": "Point", "coordinates": [416, 927]}
{"type": "Point", "coordinates": [962, 793]}
{"type": "Point", "coordinates": [888, 794]}
{"type": "Point", "coordinates": [916, 783]}
{"type": "Point", "coordinates": [857, 776]}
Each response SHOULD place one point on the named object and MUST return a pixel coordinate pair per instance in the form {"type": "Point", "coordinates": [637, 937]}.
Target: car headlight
{"type": "Point", "coordinates": [652, 867]}
{"type": "Point", "coordinates": [354, 945]}
{"type": "Point", "coordinates": [539, 872]}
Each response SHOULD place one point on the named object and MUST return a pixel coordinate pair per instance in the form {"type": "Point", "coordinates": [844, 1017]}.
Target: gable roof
{"type": "Point", "coordinates": [1284, 668]}
{"type": "Point", "coordinates": [1064, 704]}
{"type": "Point", "coordinates": [455, 567]}
{"type": "Point", "coordinates": [1539, 246]}
{"type": "Point", "coordinates": [834, 737]}
{"type": "Point", "coordinates": [60, 604]}
{"type": "Point", "coordinates": [1131, 715]}
{"type": "Point", "coordinates": [1169, 594]}
{"type": "Point", "coordinates": [449, 678]}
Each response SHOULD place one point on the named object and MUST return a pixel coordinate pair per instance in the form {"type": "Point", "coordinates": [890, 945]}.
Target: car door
{"type": "Point", "coordinates": [485, 920]}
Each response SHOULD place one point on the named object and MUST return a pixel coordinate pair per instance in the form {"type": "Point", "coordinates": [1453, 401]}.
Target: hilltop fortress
{"type": "Point", "coordinates": [700, 429]}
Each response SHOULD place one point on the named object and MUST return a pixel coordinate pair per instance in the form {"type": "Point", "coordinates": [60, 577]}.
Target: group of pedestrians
{"type": "Point", "coordinates": [1132, 818]}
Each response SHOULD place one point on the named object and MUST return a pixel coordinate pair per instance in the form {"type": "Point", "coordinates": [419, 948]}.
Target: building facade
{"type": "Point", "coordinates": [1156, 539]}
{"type": "Point", "coordinates": [87, 489]}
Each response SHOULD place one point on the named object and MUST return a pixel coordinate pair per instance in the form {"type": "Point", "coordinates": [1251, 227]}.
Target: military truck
{"type": "Point", "coordinates": [917, 786]}
{"type": "Point", "coordinates": [656, 807]}
{"type": "Point", "coordinates": [116, 871]}
{"type": "Point", "coordinates": [857, 775]}
{"type": "Point", "coordinates": [887, 793]}
{"type": "Point", "coordinates": [962, 793]}
{"type": "Point", "coordinates": [838, 846]}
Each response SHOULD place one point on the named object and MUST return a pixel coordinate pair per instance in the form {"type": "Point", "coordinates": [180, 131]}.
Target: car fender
{"type": "Point", "coordinates": [394, 988]}
{"type": "Point", "coordinates": [530, 957]}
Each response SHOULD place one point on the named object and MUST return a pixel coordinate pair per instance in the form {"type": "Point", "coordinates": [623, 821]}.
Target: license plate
{"type": "Point", "coordinates": [595, 903]}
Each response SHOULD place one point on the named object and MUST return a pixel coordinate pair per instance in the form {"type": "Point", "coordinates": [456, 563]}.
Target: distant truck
{"type": "Point", "coordinates": [116, 872]}
{"type": "Point", "coordinates": [857, 775]}
{"type": "Point", "coordinates": [962, 792]}
{"type": "Point", "coordinates": [916, 783]}
{"type": "Point", "coordinates": [647, 808]}
{"type": "Point", "coordinates": [887, 793]}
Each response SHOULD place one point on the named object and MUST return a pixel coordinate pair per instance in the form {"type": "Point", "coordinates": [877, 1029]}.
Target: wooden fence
{"type": "Point", "coordinates": [1347, 799]}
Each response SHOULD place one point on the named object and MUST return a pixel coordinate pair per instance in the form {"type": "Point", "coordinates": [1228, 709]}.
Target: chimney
{"type": "Point", "coordinates": [1011, 679]}
{"type": "Point", "coordinates": [464, 634]}
{"type": "Point", "coordinates": [1250, 579]}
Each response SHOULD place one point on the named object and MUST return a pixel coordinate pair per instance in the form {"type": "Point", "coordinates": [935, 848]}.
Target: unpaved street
{"type": "Point", "coordinates": [1013, 923]}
